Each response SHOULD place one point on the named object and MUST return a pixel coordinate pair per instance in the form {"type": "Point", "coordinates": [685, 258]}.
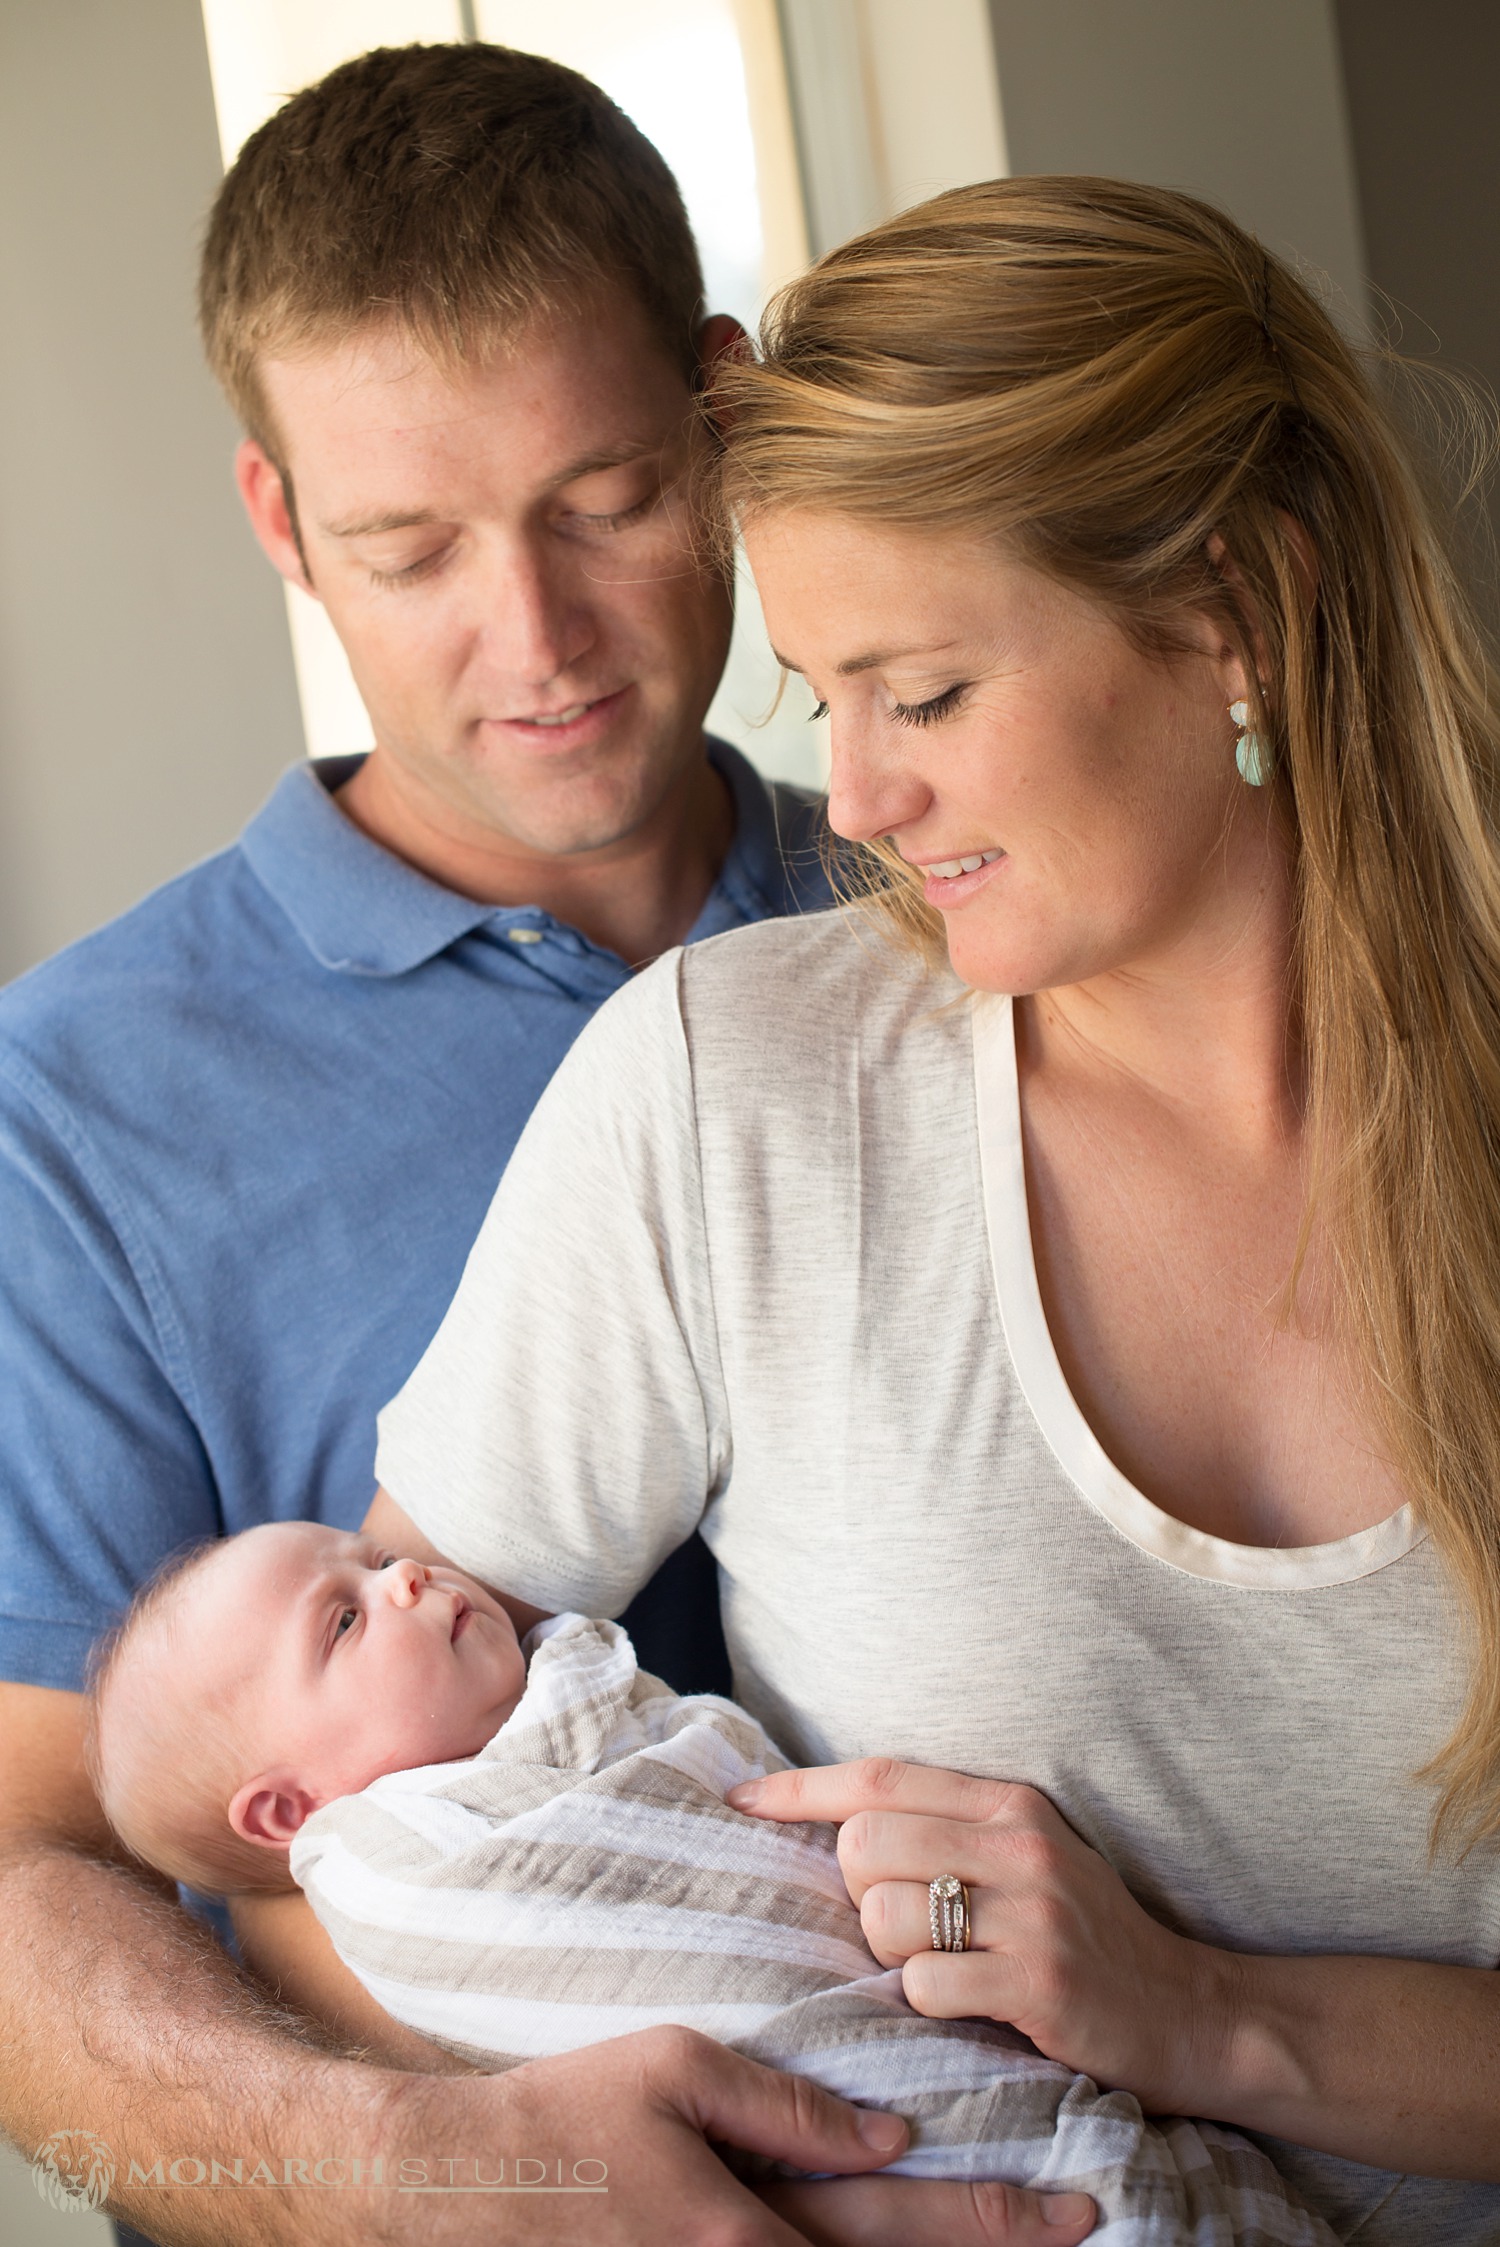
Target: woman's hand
{"type": "Point", "coordinates": [1059, 1947]}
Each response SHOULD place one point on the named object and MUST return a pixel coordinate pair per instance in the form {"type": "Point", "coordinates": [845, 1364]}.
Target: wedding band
{"type": "Point", "coordinates": [948, 1908]}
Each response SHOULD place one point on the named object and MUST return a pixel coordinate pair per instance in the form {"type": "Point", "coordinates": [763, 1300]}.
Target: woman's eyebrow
{"type": "Point", "coordinates": [874, 659]}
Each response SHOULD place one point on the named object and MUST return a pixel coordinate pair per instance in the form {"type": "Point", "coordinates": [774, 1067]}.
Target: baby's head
{"type": "Point", "coordinates": [263, 1675]}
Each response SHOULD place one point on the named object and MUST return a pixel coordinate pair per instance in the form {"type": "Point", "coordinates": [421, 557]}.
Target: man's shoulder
{"type": "Point", "coordinates": [189, 949]}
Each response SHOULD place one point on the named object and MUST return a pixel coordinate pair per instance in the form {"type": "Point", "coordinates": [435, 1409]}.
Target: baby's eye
{"type": "Point", "coordinates": [348, 1616]}
{"type": "Point", "coordinates": [388, 1562]}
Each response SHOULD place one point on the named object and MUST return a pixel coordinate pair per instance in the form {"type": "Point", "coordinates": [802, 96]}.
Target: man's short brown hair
{"type": "Point", "coordinates": [453, 191]}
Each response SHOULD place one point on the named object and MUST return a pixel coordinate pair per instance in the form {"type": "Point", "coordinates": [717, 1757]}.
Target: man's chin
{"type": "Point", "coordinates": [590, 810]}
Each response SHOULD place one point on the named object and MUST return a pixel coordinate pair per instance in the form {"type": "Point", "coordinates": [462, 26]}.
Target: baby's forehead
{"type": "Point", "coordinates": [259, 1566]}
{"type": "Point", "coordinates": [293, 1550]}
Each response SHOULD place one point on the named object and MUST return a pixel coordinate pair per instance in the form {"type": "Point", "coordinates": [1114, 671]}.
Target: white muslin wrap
{"type": "Point", "coordinates": [583, 1876]}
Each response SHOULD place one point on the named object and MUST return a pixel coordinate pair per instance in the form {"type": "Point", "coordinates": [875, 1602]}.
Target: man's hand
{"type": "Point", "coordinates": [910, 2212]}
{"type": "Point", "coordinates": [645, 2105]}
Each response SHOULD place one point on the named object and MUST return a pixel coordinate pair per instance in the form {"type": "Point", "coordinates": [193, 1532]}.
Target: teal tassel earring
{"type": "Point", "coordinates": [1249, 755]}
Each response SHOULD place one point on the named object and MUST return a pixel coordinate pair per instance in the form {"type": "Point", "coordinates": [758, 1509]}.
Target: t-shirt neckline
{"type": "Point", "coordinates": [1052, 1403]}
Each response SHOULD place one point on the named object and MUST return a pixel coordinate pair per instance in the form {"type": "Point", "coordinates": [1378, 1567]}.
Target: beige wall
{"type": "Point", "coordinates": [1240, 101]}
{"type": "Point", "coordinates": [1422, 84]}
{"type": "Point", "coordinates": [146, 691]}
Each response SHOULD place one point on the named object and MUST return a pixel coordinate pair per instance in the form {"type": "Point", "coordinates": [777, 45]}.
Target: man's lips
{"type": "Point", "coordinates": [564, 727]}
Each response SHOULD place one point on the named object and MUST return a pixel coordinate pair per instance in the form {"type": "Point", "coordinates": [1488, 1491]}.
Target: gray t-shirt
{"type": "Point", "coordinates": [762, 1261]}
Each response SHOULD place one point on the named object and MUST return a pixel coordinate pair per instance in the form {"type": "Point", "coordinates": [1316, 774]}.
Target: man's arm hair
{"type": "Point", "coordinates": [121, 2016]}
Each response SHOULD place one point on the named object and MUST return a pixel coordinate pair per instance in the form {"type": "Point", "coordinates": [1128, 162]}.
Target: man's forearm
{"type": "Point", "coordinates": [120, 2017]}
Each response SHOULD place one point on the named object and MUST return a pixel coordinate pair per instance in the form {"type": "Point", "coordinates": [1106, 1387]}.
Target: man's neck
{"type": "Point", "coordinates": [636, 896]}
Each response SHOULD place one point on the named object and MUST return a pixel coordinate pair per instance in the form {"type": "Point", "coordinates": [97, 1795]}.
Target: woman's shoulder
{"type": "Point", "coordinates": [764, 1019]}
{"type": "Point", "coordinates": [808, 979]}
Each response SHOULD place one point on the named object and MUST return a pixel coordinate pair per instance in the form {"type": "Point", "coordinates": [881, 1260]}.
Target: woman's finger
{"type": "Point", "coordinates": [897, 1919]}
{"type": "Point", "coordinates": [832, 1792]}
{"type": "Point", "coordinates": [876, 1846]}
{"type": "Point", "coordinates": [950, 1986]}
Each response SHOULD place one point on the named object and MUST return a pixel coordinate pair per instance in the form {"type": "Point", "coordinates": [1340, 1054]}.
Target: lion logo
{"type": "Point", "coordinates": [74, 2170]}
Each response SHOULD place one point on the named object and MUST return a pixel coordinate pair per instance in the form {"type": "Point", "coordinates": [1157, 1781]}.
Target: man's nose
{"type": "Point", "coordinates": [536, 625]}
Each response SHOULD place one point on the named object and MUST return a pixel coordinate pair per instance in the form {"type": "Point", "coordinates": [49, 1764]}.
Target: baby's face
{"type": "Point", "coordinates": [359, 1662]}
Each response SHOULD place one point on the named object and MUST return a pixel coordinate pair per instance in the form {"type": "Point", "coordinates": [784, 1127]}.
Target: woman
{"type": "Point", "coordinates": [1078, 1335]}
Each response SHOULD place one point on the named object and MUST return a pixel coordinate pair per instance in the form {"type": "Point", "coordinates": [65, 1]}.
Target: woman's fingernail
{"type": "Point", "coordinates": [882, 2133]}
{"type": "Point", "coordinates": [1066, 2207]}
{"type": "Point", "coordinates": [745, 1797]}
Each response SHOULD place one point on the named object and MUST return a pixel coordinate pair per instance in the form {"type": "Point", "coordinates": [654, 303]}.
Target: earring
{"type": "Point", "coordinates": [1249, 755]}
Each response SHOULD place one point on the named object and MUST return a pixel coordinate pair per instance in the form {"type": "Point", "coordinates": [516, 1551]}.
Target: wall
{"type": "Point", "coordinates": [146, 692]}
{"type": "Point", "coordinates": [1422, 84]}
{"type": "Point", "coordinates": [1242, 104]}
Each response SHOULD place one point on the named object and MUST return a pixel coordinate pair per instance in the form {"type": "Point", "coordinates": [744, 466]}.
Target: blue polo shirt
{"type": "Point", "coordinates": [247, 1135]}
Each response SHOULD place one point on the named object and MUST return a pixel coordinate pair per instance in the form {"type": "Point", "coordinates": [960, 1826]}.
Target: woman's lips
{"type": "Point", "coordinates": [953, 889]}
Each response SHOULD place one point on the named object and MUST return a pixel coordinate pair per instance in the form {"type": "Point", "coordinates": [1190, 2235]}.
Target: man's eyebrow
{"type": "Point", "coordinates": [370, 526]}
{"type": "Point", "coordinates": [873, 659]}
{"type": "Point", "coordinates": [587, 464]}
{"type": "Point", "coordinates": [609, 456]}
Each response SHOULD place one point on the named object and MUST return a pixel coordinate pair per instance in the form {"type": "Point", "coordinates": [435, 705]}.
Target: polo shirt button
{"type": "Point", "coordinates": [524, 935]}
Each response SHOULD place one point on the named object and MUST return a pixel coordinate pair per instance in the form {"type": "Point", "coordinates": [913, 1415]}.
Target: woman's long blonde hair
{"type": "Point", "coordinates": [1108, 378]}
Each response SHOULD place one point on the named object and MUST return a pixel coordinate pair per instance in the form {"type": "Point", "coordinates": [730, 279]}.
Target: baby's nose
{"type": "Point", "coordinates": [407, 1580]}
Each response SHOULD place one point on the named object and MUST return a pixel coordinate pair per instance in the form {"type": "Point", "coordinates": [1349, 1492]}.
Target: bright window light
{"type": "Point", "coordinates": [705, 81]}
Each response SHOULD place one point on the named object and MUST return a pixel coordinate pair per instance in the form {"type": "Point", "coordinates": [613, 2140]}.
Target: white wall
{"type": "Point", "coordinates": [894, 101]}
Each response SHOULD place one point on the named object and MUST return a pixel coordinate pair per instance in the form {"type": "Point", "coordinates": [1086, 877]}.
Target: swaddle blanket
{"type": "Point", "coordinates": [583, 1876]}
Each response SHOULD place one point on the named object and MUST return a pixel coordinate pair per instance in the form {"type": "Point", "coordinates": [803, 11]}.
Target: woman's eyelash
{"type": "Point", "coordinates": [819, 710]}
{"type": "Point", "coordinates": [930, 713]}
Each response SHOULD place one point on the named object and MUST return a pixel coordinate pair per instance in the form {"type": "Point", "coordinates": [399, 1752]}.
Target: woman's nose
{"type": "Point", "coordinates": [870, 794]}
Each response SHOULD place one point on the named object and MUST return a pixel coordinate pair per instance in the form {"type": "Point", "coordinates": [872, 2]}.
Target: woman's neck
{"type": "Point", "coordinates": [1205, 1021]}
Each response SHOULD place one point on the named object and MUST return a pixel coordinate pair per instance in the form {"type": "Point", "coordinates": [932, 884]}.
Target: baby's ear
{"type": "Point", "coordinates": [271, 1809]}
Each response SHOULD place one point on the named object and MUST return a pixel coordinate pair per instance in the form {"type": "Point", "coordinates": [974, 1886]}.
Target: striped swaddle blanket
{"type": "Point", "coordinates": [583, 1876]}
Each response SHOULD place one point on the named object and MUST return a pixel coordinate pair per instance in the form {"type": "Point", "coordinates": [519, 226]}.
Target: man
{"type": "Point", "coordinates": [247, 1133]}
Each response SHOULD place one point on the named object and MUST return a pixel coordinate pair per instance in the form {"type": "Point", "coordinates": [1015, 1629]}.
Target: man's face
{"type": "Point", "coordinates": [504, 549]}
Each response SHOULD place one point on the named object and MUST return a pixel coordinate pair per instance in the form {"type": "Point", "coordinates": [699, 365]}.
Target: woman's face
{"type": "Point", "coordinates": [983, 713]}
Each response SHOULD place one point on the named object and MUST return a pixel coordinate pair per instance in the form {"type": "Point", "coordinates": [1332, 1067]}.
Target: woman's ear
{"type": "Point", "coordinates": [271, 1810]}
{"type": "Point", "coordinates": [1304, 554]}
{"type": "Point", "coordinates": [1235, 681]}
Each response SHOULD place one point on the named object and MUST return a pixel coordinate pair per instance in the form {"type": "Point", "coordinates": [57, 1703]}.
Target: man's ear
{"type": "Point", "coordinates": [720, 337]}
{"type": "Point", "coordinates": [261, 488]}
{"type": "Point", "coordinates": [271, 1810]}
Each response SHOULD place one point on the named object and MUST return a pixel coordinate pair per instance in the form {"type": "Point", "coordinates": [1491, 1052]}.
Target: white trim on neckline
{"type": "Point", "coordinates": [1053, 1405]}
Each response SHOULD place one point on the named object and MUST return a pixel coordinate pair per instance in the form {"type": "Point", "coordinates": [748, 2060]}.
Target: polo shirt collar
{"type": "Point", "coordinates": [360, 910]}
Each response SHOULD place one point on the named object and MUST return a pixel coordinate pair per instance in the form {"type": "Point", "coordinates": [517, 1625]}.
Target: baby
{"type": "Point", "coordinates": [521, 1857]}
